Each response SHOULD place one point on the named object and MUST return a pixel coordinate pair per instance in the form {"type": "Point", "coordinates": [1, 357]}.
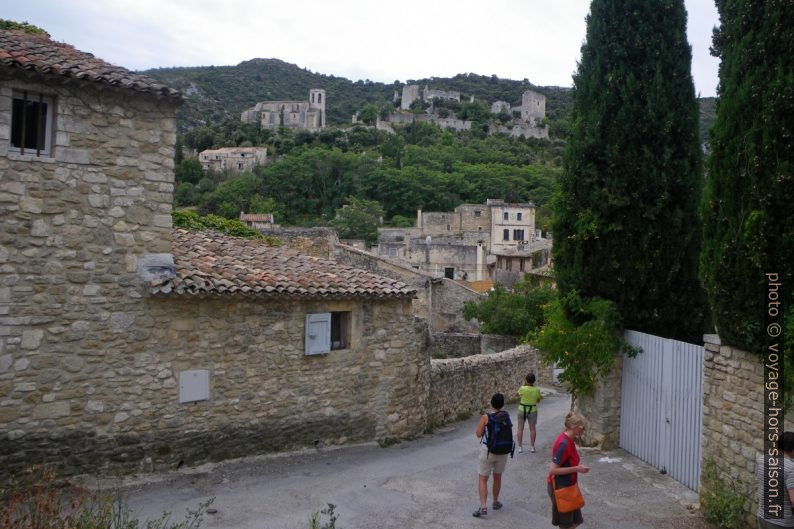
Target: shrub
{"type": "Point", "coordinates": [584, 344]}
{"type": "Point", "coordinates": [514, 313]}
{"type": "Point", "coordinates": [38, 501]}
{"type": "Point", "coordinates": [722, 502]}
{"type": "Point", "coordinates": [190, 220]}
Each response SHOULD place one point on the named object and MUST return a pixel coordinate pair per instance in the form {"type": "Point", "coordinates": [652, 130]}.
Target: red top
{"type": "Point", "coordinates": [564, 454]}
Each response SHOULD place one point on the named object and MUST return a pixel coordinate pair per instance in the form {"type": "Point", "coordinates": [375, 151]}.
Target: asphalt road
{"type": "Point", "coordinates": [427, 483]}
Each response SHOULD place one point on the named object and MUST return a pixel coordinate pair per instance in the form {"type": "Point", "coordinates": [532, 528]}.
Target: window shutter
{"type": "Point", "coordinates": [318, 333]}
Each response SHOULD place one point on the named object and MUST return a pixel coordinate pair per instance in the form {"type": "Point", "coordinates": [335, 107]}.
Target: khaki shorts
{"type": "Point", "coordinates": [491, 462]}
{"type": "Point", "coordinates": [531, 418]}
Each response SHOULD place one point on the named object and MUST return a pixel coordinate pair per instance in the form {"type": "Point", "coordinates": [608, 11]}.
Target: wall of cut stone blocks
{"type": "Point", "coordinates": [462, 386]}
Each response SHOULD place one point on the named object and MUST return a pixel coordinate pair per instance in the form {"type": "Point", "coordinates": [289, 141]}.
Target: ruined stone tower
{"type": "Point", "coordinates": [317, 102]}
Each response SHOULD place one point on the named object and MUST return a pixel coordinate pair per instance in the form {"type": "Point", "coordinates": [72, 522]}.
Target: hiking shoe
{"type": "Point", "coordinates": [532, 449]}
{"type": "Point", "coordinates": [482, 511]}
{"type": "Point", "coordinates": [497, 505]}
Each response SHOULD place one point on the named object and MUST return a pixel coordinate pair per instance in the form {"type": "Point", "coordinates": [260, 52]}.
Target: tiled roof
{"type": "Point", "coordinates": [208, 263]}
{"type": "Point", "coordinates": [27, 51]}
{"type": "Point", "coordinates": [252, 150]}
{"type": "Point", "coordinates": [256, 217]}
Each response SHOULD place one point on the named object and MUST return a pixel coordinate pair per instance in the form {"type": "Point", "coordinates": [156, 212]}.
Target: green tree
{"type": "Point", "coordinates": [358, 219]}
{"type": "Point", "coordinates": [179, 155]}
{"type": "Point", "coordinates": [369, 113]}
{"type": "Point", "coordinates": [747, 208]}
{"type": "Point", "coordinates": [514, 312]}
{"type": "Point", "coordinates": [260, 204]}
{"type": "Point", "coordinates": [189, 171]}
{"type": "Point", "coordinates": [748, 224]}
{"type": "Point", "coordinates": [626, 224]}
{"type": "Point", "coordinates": [185, 195]}
{"type": "Point", "coordinates": [582, 337]}
{"type": "Point", "coordinates": [399, 221]}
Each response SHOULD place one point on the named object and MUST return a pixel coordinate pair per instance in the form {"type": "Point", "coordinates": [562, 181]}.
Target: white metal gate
{"type": "Point", "coordinates": [662, 405]}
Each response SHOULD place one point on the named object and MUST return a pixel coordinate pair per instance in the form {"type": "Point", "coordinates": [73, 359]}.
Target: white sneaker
{"type": "Point", "coordinates": [532, 449]}
{"type": "Point", "coordinates": [520, 450]}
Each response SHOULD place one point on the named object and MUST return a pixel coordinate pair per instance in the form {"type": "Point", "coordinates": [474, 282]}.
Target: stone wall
{"type": "Point", "coordinates": [457, 345]}
{"type": "Point", "coordinates": [464, 385]}
{"type": "Point", "coordinates": [454, 345]}
{"type": "Point", "coordinates": [317, 242]}
{"type": "Point", "coordinates": [116, 406]}
{"type": "Point", "coordinates": [733, 414]}
{"type": "Point", "coordinates": [439, 301]}
{"type": "Point", "coordinates": [495, 343]}
{"type": "Point", "coordinates": [73, 228]}
{"type": "Point", "coordinates": [447, 307]}
{"type": "Point", "coordinates": [602, 410]}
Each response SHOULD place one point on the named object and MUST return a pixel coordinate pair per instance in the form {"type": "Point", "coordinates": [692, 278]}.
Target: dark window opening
{"type": "Point", "coordinates": [477, 213]}
{"type": "Point", "coordinates": [505, 215]}
{"type": "Point", "coordinates": [340, 334]}
{"type": "Point", "coordinates": [29, 119]}
{"type": "Point", "coordinates": [506, 235]}
{"type": "Point", "coordinates": [518, 235]}
{"type": "Point", "coordinates": [449, 272]}
{"type": "Point", "coordinates": [518, 216]}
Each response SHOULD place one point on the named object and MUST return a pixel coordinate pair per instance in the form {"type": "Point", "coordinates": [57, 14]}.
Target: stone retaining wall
{"type": "Point", "coordinates": [733, 417]}
{"type": "Point", "coordinates": [465, 385]}
{"type": "Point", "coordinates": [602, 410]}
{"type": "Point", "coordinates": [733, 413]}
{"type": "Point", "coordinates": [458, 345]}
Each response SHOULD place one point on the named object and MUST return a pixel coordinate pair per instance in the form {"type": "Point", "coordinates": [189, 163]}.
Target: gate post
{"type": "Point", "coordinates": [602, 410]}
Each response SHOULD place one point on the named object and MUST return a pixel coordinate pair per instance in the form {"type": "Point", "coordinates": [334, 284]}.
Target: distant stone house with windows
{"type": "Point", "coordinates": [126, 344]}
{"type": "Point", "coordinates": [496, 241]}
{"type": "Point", "coordinates": [308, 115]}
{"type": "Point", "coordinates": [235, 159]}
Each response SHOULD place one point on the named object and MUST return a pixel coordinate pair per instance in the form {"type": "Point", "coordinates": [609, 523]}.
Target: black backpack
{"type": "Point", "coordinates": [499, 434]}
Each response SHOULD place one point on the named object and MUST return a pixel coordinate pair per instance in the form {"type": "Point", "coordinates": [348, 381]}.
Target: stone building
{"type": "Point", "coordinates": [128, 345]}
{"type": "Point", "coordinates": [497, 107]}
{"type": "Point", "coordinates": [411, 93]}
{"type": "Point", "coordinates": [308, 115]}
{"type": "Point", "coordinates": [258, 221]}
{"type": "Point", "coordinates": [533, 107]}
{"type": "Point", "coordinates": [531, 113]}
{"type": "Point", "coordinates": [235, 159]}
{"type": "Point", "coordinates": [496, 242]}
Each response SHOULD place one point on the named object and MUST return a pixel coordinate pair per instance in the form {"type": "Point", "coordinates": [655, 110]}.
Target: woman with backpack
{"type": "Point", "coordinates": [495, 432]}
{"type": "Point", "coordinates": [563, 472]}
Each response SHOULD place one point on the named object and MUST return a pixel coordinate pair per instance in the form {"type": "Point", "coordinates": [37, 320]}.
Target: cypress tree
{"type": "Point", "coordinates": [748, 227]}
{"type": "Point", "coordinates": [626, 222]}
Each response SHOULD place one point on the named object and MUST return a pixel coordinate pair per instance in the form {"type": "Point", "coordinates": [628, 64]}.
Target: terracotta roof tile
{"type": "Point", "coordinates": [208, 263]}
{"type": "Point", "coordinates": [27, 51]}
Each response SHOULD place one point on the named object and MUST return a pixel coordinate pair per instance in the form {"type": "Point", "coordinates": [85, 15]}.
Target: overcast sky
{"type": "Point", "coordinates": [358, 39]}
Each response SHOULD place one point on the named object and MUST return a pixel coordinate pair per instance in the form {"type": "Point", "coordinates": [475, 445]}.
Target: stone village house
{"type": "Point", "coordinates": [126, 344]}
{"type": "Point", "coordinates": [493, 242]}
{"type": "Point", "coordinates": [234, 159]}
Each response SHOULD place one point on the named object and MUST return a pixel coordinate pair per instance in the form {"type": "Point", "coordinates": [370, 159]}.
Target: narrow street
{"type": "Point", "coordinates": [426, 483]}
